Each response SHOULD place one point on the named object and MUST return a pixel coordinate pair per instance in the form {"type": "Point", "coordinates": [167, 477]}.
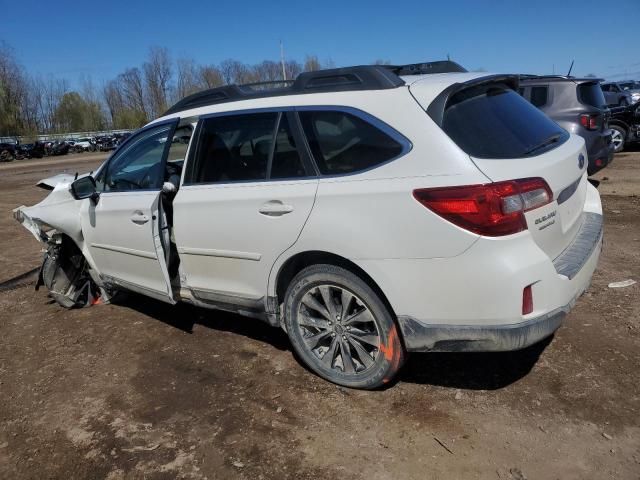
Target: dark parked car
{"type": "Point", "coordinates": [59, 148]}
{"type": "Point", "coordinates": [625, 125]}
{"type": "Point", "coordinates": [7, 152]}
{"type": "Point", "coordinates": [30, 150]}
{"type": "Point", "coordinates": [621, 93]}
{"type": "Point", "coordinates": [578, 106]}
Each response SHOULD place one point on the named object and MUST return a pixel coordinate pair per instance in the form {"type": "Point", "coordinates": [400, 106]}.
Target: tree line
{"type": "Point", "coordinates": [31, 105]}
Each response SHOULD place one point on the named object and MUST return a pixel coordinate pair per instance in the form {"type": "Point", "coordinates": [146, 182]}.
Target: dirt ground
{"type": "Point", "coordinates": [143, 390]}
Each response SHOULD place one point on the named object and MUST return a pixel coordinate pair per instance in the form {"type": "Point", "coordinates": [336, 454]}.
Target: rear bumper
{"type": "Point", "coordinates": [419, 337]}
{"type": "Point", "coordinates": [575, 265]}
{"type": "Point", "coordinates": [600, 151]}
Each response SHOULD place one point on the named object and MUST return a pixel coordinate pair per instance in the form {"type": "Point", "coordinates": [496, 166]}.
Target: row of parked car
{"type": "Point", "coordinates": [17, 151]}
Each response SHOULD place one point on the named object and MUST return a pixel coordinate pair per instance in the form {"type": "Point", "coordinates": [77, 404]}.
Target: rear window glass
{"type": "Point", "coordinates": [591, 94]}
{"type": "Point", "coordinates": [493, 121]}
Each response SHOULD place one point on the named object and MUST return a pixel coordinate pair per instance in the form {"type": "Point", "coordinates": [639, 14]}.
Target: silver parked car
{"type": "Point", "coordinates": [621, 93]}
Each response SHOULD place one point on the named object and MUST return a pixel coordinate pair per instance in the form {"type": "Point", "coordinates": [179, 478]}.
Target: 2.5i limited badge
{"type": "Point", "coordinates": [549, 216]}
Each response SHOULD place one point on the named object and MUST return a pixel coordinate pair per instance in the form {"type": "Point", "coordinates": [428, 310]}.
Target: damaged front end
{"type": "Point", "coordinates": [65, 271]}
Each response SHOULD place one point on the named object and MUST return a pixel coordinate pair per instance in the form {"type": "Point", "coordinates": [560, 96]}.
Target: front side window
{"type": "Point", "coordinates": [493, 121]}
{"type": "Point", "coordinates": [138, 166]}
{"type": "Point", "coordinates": [233, 148]}
{"type": "Point", "coordinates": [343, 143]}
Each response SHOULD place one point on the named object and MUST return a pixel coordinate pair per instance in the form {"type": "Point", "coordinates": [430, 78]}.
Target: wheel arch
{"type": "Point", "coordinates": [294, 264]}
{"type": "Point", "coordinates": [619, 123]}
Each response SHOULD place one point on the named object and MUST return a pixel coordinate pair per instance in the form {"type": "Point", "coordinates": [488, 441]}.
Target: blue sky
{"type": "Point", "coordinates": [100, 39]}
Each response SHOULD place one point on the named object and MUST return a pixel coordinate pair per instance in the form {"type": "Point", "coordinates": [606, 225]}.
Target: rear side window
{"type": "Point", "coordinates": [539, 96]}
{"type": "Point", "coordinates": [493, 121]}
{"type": "Point", "coordinates": [591, 94]}
{"type": "Point", "coordinates": [233, 148]}
{"type": "Point", "coordinates": [343, 143]}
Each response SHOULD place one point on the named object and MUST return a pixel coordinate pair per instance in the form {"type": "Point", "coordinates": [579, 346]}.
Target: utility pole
{"type": "Point", "coordinates": [284, 72]}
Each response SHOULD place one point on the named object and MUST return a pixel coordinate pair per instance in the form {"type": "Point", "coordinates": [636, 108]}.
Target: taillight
{"type": "Point", "coordinates": [492, 209]}
{"type": "Point", "coordinates": [589, 121]}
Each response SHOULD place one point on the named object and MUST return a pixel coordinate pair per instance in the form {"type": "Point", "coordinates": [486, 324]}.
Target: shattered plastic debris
{"type": "Point", "coordinates": [623, 283]}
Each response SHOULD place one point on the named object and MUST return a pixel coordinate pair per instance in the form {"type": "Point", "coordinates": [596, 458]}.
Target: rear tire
{"type": "Point", "coordinates": [341, 328]}
{"type": "Point", "coordinates": [618, 138]}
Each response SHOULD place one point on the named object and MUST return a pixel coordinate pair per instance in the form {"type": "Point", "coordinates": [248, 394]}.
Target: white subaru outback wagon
{"type": "Point", "coordinates": [369, 211]}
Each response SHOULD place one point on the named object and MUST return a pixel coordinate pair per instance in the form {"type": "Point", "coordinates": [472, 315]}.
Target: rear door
{"type": "Point", "coordinates": [247, 191]}
{"type": "Point", "coordinates": [508, 138]}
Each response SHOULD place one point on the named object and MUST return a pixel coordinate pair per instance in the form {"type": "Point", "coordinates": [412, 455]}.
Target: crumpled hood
{"type": "Point", "coordinates": [59, 211]}
{"type": "Point", "coordinates": [51, 182]}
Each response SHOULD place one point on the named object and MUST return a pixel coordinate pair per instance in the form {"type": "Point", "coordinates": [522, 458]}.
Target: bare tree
{"type": "Point", "coordinates": [311, 63]}
{"type": "Point", "coordinates": [293, 69]}
{"type": "Point", "coordinates": [32, 108]}
{"type": "Point", "coordinates": [211, 76]}
{"type": "Point", "coordinates": [267, 71]}
{"type": "Point", "coordinates": [53, 91]}
{"type": "Point", "coordinates": [133, 90]}
{"type": "Point", "coordinates": [188, 79]}
{"type": "Point", "coordinates": [113, 98]}
{"type": "Point", "coordinates": [157, 75]}
{"type": "Point", "coordinates": [124, 97]}
{"type": "Point", "coordinates": [234, 71]}
{"type": "Point", "coordinates": [46, 104]}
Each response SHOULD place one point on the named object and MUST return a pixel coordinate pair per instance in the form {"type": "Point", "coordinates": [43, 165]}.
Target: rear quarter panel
{"type": "Point", "coordinates": [373, 215]}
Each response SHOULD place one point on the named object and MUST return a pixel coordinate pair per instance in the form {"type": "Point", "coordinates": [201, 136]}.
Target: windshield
{"type": "Point", "coordinates": [629, 85]}
{"type": "Point", "coordinates": [493, 121]}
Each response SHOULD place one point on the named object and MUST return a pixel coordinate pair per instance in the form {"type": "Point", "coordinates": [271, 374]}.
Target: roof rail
{"type": "Point", "coordinates": [440, 66]}
{"type": "Point", "coordinates": [559, 77]}
{"type": "Point", "coordinates": [525, 76]}
{"type": "Point", "coordinates": [363, 77]}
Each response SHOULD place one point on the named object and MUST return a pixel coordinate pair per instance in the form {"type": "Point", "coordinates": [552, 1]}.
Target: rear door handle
{"type": "Point", "coordinates": [275, 208]}
{"type": "Point", "coordinates": [139, 218]}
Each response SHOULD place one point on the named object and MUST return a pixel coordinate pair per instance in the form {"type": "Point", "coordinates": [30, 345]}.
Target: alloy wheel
{"type": "Point", "coordinates": [338, 329]}
{"type": "Point", "coordinates": [616, 139]}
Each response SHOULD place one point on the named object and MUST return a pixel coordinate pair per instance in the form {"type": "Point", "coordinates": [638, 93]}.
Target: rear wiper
{"type": "Point", "coordinates": [552, 139]}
